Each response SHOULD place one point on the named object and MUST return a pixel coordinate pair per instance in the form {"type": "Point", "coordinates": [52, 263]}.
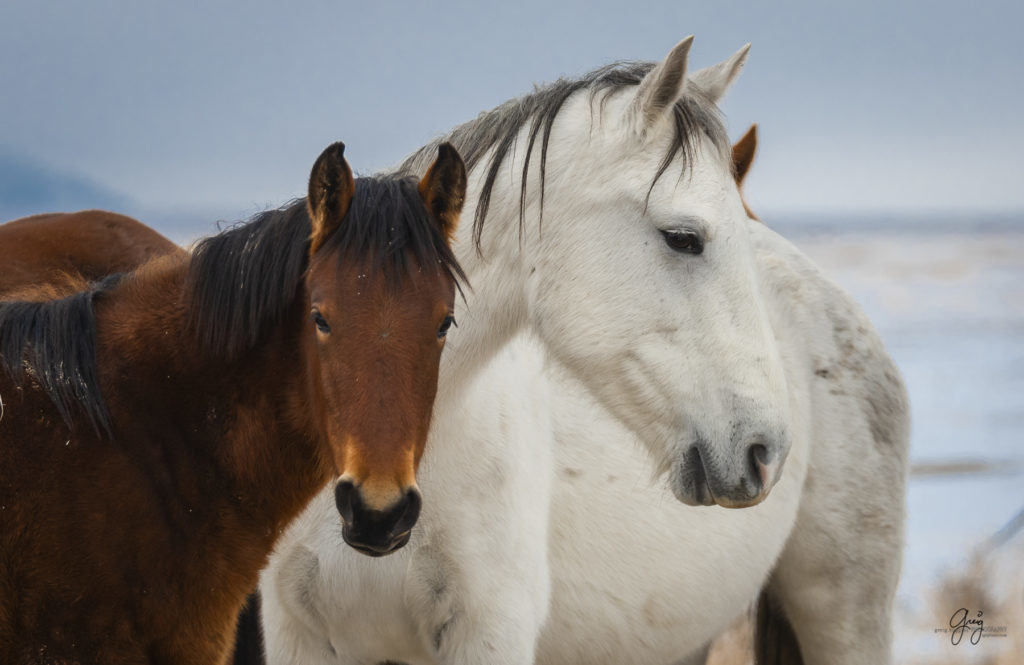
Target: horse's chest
{"type": "Point", "coordinates": [368, 620]}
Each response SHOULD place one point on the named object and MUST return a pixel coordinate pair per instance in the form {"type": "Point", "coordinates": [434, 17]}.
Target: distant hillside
{"type": "Point", "coordinates": [28, 186]}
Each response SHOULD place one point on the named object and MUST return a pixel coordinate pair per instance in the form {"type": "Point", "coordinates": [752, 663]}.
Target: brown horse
{"type": "Point", "coordinates": [159, 430]}
{"type": "Point", "coordinates": [91, 244]}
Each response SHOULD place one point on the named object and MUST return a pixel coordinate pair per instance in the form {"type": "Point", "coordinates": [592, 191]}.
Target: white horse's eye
{"type": "Point", "coordinates": [687, 242]}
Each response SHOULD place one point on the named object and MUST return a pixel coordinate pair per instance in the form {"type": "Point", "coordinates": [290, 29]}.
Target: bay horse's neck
{"type": "Point", "coordinates": [232, 441]}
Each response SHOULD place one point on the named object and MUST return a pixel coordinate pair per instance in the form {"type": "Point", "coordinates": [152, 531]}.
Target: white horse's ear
{"type": "Point", "coordinates": [662, 86]}
{"type": "Point", "coordinates": [716, 79]}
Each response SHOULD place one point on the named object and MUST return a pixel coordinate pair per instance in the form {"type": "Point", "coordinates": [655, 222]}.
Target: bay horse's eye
{"type": "Point", "coordinates": [320, 321]}
{"type": "Point", "coordinates": [448, 322]}
{"type": "Point", "coordinates": [686, 242]}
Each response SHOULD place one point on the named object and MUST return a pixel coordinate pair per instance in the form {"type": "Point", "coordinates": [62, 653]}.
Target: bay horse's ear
{"type": "Point", "coordinates": [716, 79]}
{"type": "Point", "coordinates": [443, 188]}
{"type": "Point", "coordinates": [663, 85]}
{"type": "Point", "coordinates": [743, 153]}
{"type": "Point", "coordinates": [331, 188]}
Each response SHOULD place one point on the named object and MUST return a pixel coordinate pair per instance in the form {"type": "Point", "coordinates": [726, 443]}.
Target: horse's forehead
{"type": "Point", "coordinates": [699, 181]}
{"type": "Point", "coordinates": [599, 136]}
{"type": "Point", "coordinates": [414, 287]}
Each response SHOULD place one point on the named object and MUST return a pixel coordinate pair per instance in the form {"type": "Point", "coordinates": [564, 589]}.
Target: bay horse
{"type": "Point", "coordinates": [623, 301]}
{"type": "Point", "coordinates": [56, 248]}
{"type": "Point", "coordinates": [160, 429]}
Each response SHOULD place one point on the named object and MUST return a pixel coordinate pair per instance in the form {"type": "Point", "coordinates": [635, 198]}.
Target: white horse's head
{"type": "Point", "coordinates": [634, 263]}
{"type": "Point", "coordinates": [650, 294]}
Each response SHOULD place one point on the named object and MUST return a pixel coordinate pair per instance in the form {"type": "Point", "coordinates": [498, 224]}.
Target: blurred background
{"type": "Point", "coordinates": [891, 151]}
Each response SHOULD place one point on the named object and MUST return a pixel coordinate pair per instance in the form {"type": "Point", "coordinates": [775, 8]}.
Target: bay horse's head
{"type": "Point", "coordinates": [381, 288]}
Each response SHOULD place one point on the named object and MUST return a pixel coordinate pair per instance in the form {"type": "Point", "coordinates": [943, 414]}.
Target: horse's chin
{"type": "Point", "coordinates": [376, 551]}
{"type": "Point", "coordinates": [700, 494]}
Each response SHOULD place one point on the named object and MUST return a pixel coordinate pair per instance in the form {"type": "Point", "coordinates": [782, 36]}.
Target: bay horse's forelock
{"type": "Point", "coordinates": [141, 547]}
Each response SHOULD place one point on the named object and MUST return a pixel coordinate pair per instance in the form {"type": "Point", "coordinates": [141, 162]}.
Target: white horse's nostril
{"type": "Point", "coordinates": [759, 461]}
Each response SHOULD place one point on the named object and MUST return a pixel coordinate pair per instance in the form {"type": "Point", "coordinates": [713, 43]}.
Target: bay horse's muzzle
{"type": "Point", "coordinates": [376, 532]}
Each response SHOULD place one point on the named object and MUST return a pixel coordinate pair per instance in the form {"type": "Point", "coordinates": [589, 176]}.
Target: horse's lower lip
{"type": "Point", "coordinates": [369, 552]}
{"type": "Point", "coordinates": [395, 545]}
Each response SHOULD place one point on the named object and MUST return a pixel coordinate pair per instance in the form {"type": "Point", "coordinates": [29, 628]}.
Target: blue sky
{"type": "Point", "coordinates": [223, 106]}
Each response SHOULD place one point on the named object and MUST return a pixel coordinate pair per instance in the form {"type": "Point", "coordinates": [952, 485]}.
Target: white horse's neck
{"type": "Point", "coordinates": [494, 306]}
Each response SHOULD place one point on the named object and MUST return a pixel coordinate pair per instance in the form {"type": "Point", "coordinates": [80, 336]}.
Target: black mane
{"type": "Point", "coordinates": [54, 342]}
{"type": "Point", "coordinates": [242, 281]}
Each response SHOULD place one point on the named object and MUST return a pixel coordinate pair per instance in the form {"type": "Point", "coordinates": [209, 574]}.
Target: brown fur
{"type": "Point", "coordinates": [331, 185]}
{"type": "Point", "coordinates": [141, 548]}
{"type": "Point", "coordinates": [57, 247]}
{"type": "Point", "coordinates": [775, 641]}
{"type": "Point", "coordinates": [447, 174]}
{"type": "Point", "coordinates": [743, 152]}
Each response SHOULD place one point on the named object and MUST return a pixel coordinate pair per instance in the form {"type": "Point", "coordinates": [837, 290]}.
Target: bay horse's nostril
{"type": "Point", "coordinates": [345, 497]}
{"type": "Point", "coordinates": [411, 512]}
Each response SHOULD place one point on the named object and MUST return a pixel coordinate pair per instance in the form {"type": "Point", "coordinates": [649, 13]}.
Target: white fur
{"type": "Point", "coordinates": [716, 79]}
{"type": "Point", "coordinates": [547, 534]}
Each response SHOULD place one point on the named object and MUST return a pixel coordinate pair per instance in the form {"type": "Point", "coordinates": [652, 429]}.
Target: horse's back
{"type": "Point", "coordinates": [90, 243]}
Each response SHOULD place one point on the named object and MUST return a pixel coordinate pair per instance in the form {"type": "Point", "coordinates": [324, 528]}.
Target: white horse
{"type": "Point", "coordinates": [648, 313]}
